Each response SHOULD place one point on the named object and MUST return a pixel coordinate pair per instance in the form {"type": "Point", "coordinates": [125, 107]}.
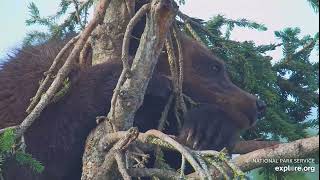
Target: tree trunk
{"type": "Point", "coordinates": [106, 43]}
{"type": "Point", "coordinates": [108, 40]}
{"type": "Point", "coordinates": [107, 37]}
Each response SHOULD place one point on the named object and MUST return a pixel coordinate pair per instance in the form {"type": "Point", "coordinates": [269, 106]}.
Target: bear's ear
{"type": "Point", "coordinates": [159, 86]}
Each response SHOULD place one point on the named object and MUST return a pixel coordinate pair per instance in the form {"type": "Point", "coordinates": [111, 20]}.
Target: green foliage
{"type": "Point", "coordinates": [9, 149]}
{"type": "Point", "coordinates": [288, 85]}
{"type": "Point", "coordinates": [218, 21]}
{"type": "Point", "coordinates": [25, 159]}
{"type": "Point", "coordinates": [182, 2]}
{"type": "Point", "coordinates": [56, 29]}
{"type": "Point", "coordinates": [315, 5]}
{"type": "Point", "coordinates": [7, 140]}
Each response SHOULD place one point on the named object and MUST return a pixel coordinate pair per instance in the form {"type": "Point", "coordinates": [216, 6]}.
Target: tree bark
{"type": "Point", "coordinates": [159, 20]}
{"type": "Point", "coordinates": [298, 149]}
{"type": "Point", "coordinates": [243, 147]}
{"type": "Point", "coordinates": [107, 38]}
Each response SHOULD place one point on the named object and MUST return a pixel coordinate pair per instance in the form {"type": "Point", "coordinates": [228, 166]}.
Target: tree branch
{"type": "Point", "coordinates": [65, 69]}
{"type": "Point", "coordinates": [298, 149]}
{"type": "Point", "coordinates": [243, 147]}
{"type": "Point", "coordinates": [133, 89]}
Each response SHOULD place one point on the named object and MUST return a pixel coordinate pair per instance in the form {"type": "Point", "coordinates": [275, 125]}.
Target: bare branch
{"type": "Point", "coordinates": [109, 159]}
{"type": "Point", "coordinates": [49, 74]}
{"type": "Point", "coordinates": [182, 104]}
{"type": "Point", "coordinates": [133, 89]}
{"type": "Point", "coordinates": [130, 7]}
{"type": "Point", "coordinates": [121, 166]}
{"type": "Point", "coordinates": [85, 54]}
{"type": "Point", "coordinates": [65, 69]}
{"type": "Point", "coordinates": [297, 149]}
{"type": "Point", "coordinates": [243, 147]}
{"type": "Point", "coordinates": [125, 55]}
{"type": "Point", "coordinates": [160, 173]}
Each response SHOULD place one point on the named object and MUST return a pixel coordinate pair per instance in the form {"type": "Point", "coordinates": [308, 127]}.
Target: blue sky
{"type": "Point", "coordinates": [275, 14]}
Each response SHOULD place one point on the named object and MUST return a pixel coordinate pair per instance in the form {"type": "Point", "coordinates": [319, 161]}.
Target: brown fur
{"type": "Point", "coordinates": [57, 137]}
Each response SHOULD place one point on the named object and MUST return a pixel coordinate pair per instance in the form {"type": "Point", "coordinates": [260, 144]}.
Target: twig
{"type": "Point", "coordinates": [76, 6]}
{"type": "Point", "coordinates": [65, 69]}
{"type": "Point", "coordinates": [48, 74]}
{"type": "Point", "coordinates": [160, 173]}
{"type": "Point", "coordinates": [194, 33]}
{"type": "Point", "coordinates": [121, 166]}
{"type": "Point", "coordinates": [181, 71]}
{"type": "Point", "coordinates": [297, 149]}
{"type": "Point", "coordinates": [203, 164]}
{"type": "Point", "coordinates": [164, 114]}
{"type": "Point", "coordinates": [126, 39]}
{"type": "Point", "coordinates": [182, 167]}
{"type": "Point", "coordinates": [121, 145]}
{"type": "Point", "coordinates": [130, 7]}
{"type": "Point", "coordinates": [200, 26]}
{"type": "Point", "coordinates": [179, 148]}
{"type": "Point", "coordinates": [307, 46]}
{"type": "Point", "coordinates": [85, 52]}
{"type": "Point", "coordinates": [172, 62]}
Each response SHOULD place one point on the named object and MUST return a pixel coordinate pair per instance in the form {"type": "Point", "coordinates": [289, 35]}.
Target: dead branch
{"type": "Point", "coordinates": [109, 159]}
{"type": "Point", "coordinates": [309, 45]}
{"type": "Point", "coordinates": [125, 55]}
{"type": "Point", "coordinates": [298, 149]}
{"type": "Point", "coordinates": [153, 172]}
{"type": "Point", "coordinates": [164, 114]}
{"type": "Point", "coordinates": [65, 69]}
{"type": "Point", "coordinates": [49, 74]}
{"type": "Point", "coordinates": [243, 147]}
{"type": "Point", "coordinates": [160, 173]}
{"type": "Point", "coordinates": [130, 7]}
{"type": "Point", "coordinates": [121, 166]}
{"type": "Point", "coordinates": [182, 104]}
{"type": "Point", "coordinates": [184, 152]}
{"type": "Point", "coordinates": [133, 89]}
{"type": "Point", "coordinates": [172, 62]}
{"type": "Point", "coordinates": [85, 54]}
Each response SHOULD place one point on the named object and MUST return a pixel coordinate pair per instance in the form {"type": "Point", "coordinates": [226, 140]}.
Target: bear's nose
{"type": "Point", "coordinates": [261, 106]}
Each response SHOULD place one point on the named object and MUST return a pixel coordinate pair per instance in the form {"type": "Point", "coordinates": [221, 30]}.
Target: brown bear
{"type": "Point", "coordinates": [57, 137]}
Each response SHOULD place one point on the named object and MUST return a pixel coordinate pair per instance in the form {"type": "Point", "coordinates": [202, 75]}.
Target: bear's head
{"type": "Point", "coordinates": [224, 108]}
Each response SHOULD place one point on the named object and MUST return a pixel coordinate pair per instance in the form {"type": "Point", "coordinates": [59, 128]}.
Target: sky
{"type": "Point", "coordinates": [275, 14]}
